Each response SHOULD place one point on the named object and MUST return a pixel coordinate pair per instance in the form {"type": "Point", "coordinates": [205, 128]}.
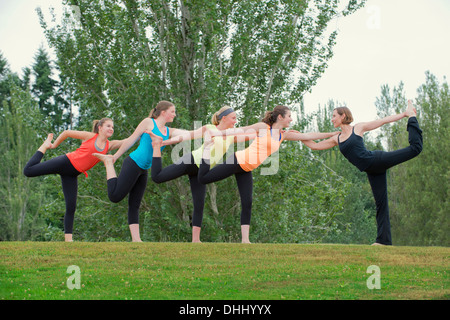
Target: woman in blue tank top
{"type": "Point", "coordinates": [374, 163]}
{"type": "Point", "coordinates": [132, 179]}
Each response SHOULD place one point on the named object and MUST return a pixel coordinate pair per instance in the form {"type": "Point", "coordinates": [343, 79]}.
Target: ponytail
{"type": "Point", "coordinates": [98, 123]}
{"type": "Point", "coordinates": [160, 107]}
{"type": "Point", "coordinates": [270, 117]}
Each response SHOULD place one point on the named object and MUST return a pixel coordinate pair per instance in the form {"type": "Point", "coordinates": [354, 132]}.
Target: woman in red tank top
{"type": "Point", "coordinates": [70, 165]}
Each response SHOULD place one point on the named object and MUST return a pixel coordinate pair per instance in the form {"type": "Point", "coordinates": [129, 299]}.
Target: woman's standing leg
{"type": "Point", "coordinates": [245, 185]}
{"type": "Point", "coordinates": [70, 190]}
{"type": "Point", "coordinates": [134, 203]}
{"type": "Point", "coordinates": [378, 184]}
{"type": "Point", "coordinates": [184, 166]}
{"type": "Point", "coordinates": [131, 181]}
{"type": "Point", "coordinates": [198, 192]}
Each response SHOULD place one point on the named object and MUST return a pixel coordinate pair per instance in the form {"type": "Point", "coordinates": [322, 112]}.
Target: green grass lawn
{"type": "Point", "coordinates": [220, 271]}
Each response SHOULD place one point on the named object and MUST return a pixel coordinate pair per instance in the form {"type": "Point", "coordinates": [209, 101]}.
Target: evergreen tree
{"type": "Point", "coordinates": [48, 92]}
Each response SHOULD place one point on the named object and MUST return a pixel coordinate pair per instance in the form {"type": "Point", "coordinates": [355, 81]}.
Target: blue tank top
{"type": "Point", "coordinates": [143, 154]}
{"type": "Point", "coordinates": [354, 150]}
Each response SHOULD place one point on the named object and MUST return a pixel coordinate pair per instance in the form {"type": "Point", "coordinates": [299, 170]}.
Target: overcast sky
{"type": "Point", "coordinates": [386, 42]}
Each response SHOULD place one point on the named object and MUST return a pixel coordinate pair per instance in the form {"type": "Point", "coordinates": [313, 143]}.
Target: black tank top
{"type": "Point", "coordinates": [354, 150]}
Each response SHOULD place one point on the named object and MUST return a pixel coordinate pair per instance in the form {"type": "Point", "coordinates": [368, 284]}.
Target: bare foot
{"type": "Point", "coordinates": [377, 244]}
{"type": "Point", "coordinates": [47, 144]}
{"type": "Point", "coordinates": [105, 158]}
{"type": "Point", "coordinates": [410, 110]}
{"type": "Point", "coordinates": [196, 234]}
{"type": "Point", "coordinates": [156, 140]}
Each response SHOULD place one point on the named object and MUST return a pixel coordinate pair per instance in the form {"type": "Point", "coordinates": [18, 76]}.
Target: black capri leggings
{"type": "Point", "coordinates": [378, 182]}
{"type": "Point", "coordinates": [184, 166]}
{"type": "Point", "coordinates": [132, 180]}
{"type": "Point", "coordinates": [69, 179]}
{"type": "Point", "coordinates": [244, 181]}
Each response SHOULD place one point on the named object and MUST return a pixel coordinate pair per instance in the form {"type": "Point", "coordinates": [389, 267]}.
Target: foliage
{"type": "Point", "coordinates": [30, 209]}
{"type": "Point", "coordinates": [123, 55]}
{"type": "Point", "coordinates": [48, 92]}
{"type": "Point", "coordinates": [21, 197]}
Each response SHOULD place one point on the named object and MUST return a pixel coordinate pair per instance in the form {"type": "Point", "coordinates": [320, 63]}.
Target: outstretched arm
{"type": "Point", "coordinates": [82, 135]}
{"type": "Point", "coordinates": [247, 130]}
{"type": "Point", "coordinates": [361, 128]}
{"type": "Point", "coordinates": [127, 143]}
{"type": "Point", "coordinates": [322, 145]}
{"type": "Point", "coordinates": [179, 135]}
{"type": "Point", "coordinates": [294, 135]}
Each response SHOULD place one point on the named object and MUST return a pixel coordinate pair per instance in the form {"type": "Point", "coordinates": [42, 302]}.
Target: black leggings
{"type": "Point", "coordinates": [244, 181]}
{"type": "Point", "coordinates": [132, 180]}
{"type": "Point", "coordinates": [377, 177]}
{"type": "Point", "coordinates": [184, 166]}
{"type": "Point", "coordinates": [69, 179]}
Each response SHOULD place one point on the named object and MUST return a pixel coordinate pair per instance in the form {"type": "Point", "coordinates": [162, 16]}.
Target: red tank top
{"type": "Point", "coordinates": [82, 158]}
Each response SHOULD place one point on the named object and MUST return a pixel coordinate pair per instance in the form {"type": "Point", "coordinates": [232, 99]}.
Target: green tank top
{"type": "Point", "coordinates": [218, 150]}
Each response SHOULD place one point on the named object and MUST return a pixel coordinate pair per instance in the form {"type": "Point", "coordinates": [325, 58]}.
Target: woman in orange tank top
{"type": "Point", "coordinates": [70, 165]}
{"type": "Point", "coordinates": [269, 135]}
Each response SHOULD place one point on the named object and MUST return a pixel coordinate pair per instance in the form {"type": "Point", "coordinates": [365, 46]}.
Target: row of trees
{"type": "Point", "coordinates": [119, 58]}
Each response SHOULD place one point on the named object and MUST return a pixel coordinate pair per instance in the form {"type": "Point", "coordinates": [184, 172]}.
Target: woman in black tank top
{"type": "Point", "coordinates": [374, 163]}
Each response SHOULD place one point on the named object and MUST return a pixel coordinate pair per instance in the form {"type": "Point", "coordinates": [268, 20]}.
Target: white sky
{"type": "Point", "coordinates": [386, 42]}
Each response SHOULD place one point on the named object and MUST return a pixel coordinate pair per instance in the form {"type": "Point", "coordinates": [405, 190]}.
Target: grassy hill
{"type": "Point", "coordinates": [220, 271]}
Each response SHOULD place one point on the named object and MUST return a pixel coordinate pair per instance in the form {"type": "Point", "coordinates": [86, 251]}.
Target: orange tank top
{"type": "Point", "coordinates": [259, 150]}
{"type": "Point", "coordinates": [82, 158]}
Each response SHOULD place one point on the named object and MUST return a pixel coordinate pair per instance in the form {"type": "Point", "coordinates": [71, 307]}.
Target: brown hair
{"type": "Point", "coordinates": [99, 123]}
{"type": "Point", "coordinates": [271, 116]}
{"type": "Point", "coordinates": [215, 118]}
{"type": "Point", "coordinates": [161, 106]}
{"type": "Point", "coordinates": [348, 114]}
